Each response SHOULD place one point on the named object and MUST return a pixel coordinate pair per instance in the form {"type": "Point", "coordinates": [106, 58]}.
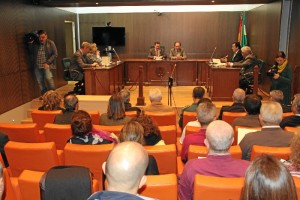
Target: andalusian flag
{"type": "Point", "coordinates": [242, 36]}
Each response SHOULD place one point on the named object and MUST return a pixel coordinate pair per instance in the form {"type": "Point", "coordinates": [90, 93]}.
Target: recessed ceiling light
{"type": "Point", "coordinates": [213, 1]}
{"type": "Point", "coordinates": [97, 3]}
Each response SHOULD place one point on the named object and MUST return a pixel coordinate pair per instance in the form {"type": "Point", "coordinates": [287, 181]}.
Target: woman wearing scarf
{"type": "Point", "coordinates": [282, 77]}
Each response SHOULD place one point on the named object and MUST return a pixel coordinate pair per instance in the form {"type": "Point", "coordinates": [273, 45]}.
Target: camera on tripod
{"type": "Point", "coordinates": [273, 70]}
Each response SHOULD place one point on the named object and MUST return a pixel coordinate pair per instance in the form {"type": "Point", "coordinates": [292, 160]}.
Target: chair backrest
{"type": "Point", "coordinates": [188, 117]}
{"type": "Point", "coordinates": [168, 134]}
{"type": "Point", "coordinates": [287, 114]}
{"type": "Point", "coordinates": [163, 187]}
{"type": "Point", "coordinates": [241, 131]}
{"type": "Point", "coordinates": [191, 130]}
{"type": "Point", "coordinates": [278, 152]}
{"type": "Point", "coordinates": [58, 133]}
{"type": "Point", "coordinates": [9, 193]}
{"type": "Point", "coordinates": [131, 113]}
{"type": "Point", "coordinates": [165, 157]}
{"type": "Point", "coordinates": [112, 129]}
{"type": "Point", "coordinates": [202, 151]}
{"type": "Point", "coordinates": [31, 156]}
{"type": "Point", "coordinates": [22, 132]}
{"type": "Point", "coordinates": [210, 187]}
{"type": "Point", "coordinates": [230, 116]}
{"type": "Point", "coordinates": [163, 118]}
{"type": "Point", "coordinates": [297, 184]}
{"type": "Point", "coordinates": [66, 64]}
{"type": "Point", "coordinates": [91, 156]}
{"type": "Point", "coordinates": [29, 184]}
{"type": "Point", "coordinates": [41, 117]}
{"type": "Point", "coordinates": [95, 115]}
{"type": "Point", "coordinates": [292, 129]}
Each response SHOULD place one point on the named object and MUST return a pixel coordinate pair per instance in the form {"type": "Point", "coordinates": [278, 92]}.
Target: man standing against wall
{"type": "Point", "coordinates": [44, 54]}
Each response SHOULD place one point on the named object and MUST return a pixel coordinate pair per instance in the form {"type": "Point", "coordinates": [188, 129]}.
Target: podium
{"type": "Point", "coordinates": [104, 80]}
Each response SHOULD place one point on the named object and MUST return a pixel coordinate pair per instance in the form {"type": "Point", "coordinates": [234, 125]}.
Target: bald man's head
{"type": "Point", "coordinates": [125, 167]}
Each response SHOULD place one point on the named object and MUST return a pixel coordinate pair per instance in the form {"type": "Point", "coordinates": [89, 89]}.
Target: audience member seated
{"type": "Point", "coordinates": [293, 164]}
{"type": "Point", "coordinates": [247, 67]}
{"type": "Point", "coordinates": [157, 52]}
{"type": "Point", "coordinates": [277, 96]}
{"type": "Point", "coordinates": [94, 55]}
{"type": "Point", "coordinates": [237, 106]}
{"type": "Point", "coordinates": [252, 104]}
{"type": "Point", "coordinates": [83, 133]}
{"type": "Point", "coordinates": [177, 53]}
{"type": "Point", "coordinates": [152, 136]}
{"type": "Point", "coordinates": [133, 131]}
{"type": "Point", "coordinates": [195, 123]}
{"type": "Point", "coordinates": [198, 93]}
{"type": "Point", "coordinates": [219, 163]}
{"type": "Point", "coordinates": [125, 94]}
{"type": "Point", "coordinates": [271, 134]}
{"type": "Point", "coordinates": [51, 101]}
{"type": "Point", "coordinates": [125, 174]}
{"type": "Point", "coordinates": [115, 112]}
{"type": "Point", "coordinates": [206, 113]}
{"type": "Point", "coordinates": [71, 106]}
{"type": "Point", "coordinates": [267, 178]}
{"type": "Point", "coordinates": [295, 119]}
{"type": "Point", "coordinates": [156, 105]}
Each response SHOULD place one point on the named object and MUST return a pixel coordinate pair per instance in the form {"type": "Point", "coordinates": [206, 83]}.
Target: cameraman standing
{"type": "Point", "coordinates": [282, 76]}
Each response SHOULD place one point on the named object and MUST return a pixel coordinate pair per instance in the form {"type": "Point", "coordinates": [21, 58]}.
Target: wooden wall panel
{"type": "Point", "coordinates": [198, 32]}
{"type": "Point", "coordinates": [17, 80]}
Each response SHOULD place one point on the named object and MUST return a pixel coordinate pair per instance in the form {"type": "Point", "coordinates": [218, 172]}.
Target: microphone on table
{"type": "Point", "coordinates": [119, 61]}
{"type": "Point", "coordinates": [212, 55]}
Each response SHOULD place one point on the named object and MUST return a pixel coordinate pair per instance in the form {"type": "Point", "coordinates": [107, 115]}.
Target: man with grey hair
{"type": "Point", "coordinates": [295, 119]}
{"type": "Point", "coordinates": [206, 113]}
{"type": "Point", "coordinates": [125, 95]}
{"type": "Point", "coordinates": [219, 163]}
{"type": "Point", "coordinates": [237, 106]}
{"type": "Point", "coordinates": [277, 96]}
{"type": "Point", "coordinates": [125, 172]}
{"type": "Point", "coordinates": [271, 134]}
{"type": "Point", "coordinates": [71, 106]}
{"type": "Point", "coordinates": [156, 105]}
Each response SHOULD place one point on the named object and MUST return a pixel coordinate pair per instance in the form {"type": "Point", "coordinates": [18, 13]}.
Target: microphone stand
{"type": "Point", "coordinates": [119, 61]}
{"type": "Point", "coordinates": [170, 84]}
{"type": "Point", "coordinates": [212, 55]}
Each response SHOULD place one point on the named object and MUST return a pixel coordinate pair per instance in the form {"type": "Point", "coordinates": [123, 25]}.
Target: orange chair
{"type": "Point", "coordinates": [178, 146]}
{"type": "Point", "coordinates": [230, 116]}
{"type": "Point", "coordinates": [202, 151]}
{"type": "Point", "coordinates": [297, 184]}
{"type": "Point", "coordinates": [22, 132]}
{"type": "Point", "coordinates": [163, 118]}
{"type": "Point", "coordinates": [243, 129]}
{"type": "Point", "coordinates": [131, 113]}
{"type": "Point", "coordinates": [165, 157]}
{"type": "Point", "coordinates": [287, 114]}
{"type": "Point", "coordinates": [41, 117]}
{"type": "Point", "coordinates": [278, 152]}
{"type": "Point", "coordinates": [95, 115]}
{"type": "Point", "coordinates": [58, 133]}
{"type": "Point", "coordinates": [10, 192]}
{"type": "Point", "coordinates": [29, 184]}
{"type": "Point", "coordinates": [163, 187]}
{"type": "Point", "coordinates": [210, 187]}
{"type": "Point", "coordinates": [91, 156]}
{"type": "Point", "coordinates": [112, 129]}
{"type": "Point", "coordinates": [191, 130]}
{"type": "Point", "coordinates": [168, 134]}
{"type": "Point", "coordinates": [188, 117]}
{"type": "Point", "coordinates": [32, 156]}
{"type": "Point", "coordinates": [292, 129]}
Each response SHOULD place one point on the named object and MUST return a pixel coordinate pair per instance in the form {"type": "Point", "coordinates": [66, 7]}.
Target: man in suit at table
{"type": "Point", "coordinates": [177, 53]}
{"type": "Point", "coordinates": [237, 53]}
{"type": "Point", "coordinates": [271, 134]}
{"type": "Point", "coordinates": [237, 106]}
{"type": "Point", "coordinates": [157, 52]}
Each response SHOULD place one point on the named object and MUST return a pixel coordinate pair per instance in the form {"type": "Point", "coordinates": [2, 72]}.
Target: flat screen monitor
{"type": "Point", "coordinates": [109, 36]}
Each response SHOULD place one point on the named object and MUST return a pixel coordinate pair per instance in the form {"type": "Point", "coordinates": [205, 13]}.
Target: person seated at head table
{"type": "Point", "coordinates": [177, 53]}
{"type": "Point", "coordinates": [237, 54]}
{"type": "Point", "coordinates": [157, 52]}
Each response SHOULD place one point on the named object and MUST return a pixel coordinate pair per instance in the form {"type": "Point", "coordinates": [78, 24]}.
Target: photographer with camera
{"type": "Point", "coordinates": [282, 76]}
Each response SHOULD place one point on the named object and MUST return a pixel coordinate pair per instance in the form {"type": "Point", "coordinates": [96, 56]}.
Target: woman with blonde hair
{"type": "Point", "coordinates": [51, 101]}
{"type": "Point", "coordinates": [115, 112]}
{"type": "Point", "coordinates": [267, 178]}
{"type": "Point", "coordinates": [94, 55]}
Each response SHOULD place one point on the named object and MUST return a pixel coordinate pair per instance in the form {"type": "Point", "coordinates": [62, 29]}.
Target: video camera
{"type": "Point", "coordinates": [273, 70]}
